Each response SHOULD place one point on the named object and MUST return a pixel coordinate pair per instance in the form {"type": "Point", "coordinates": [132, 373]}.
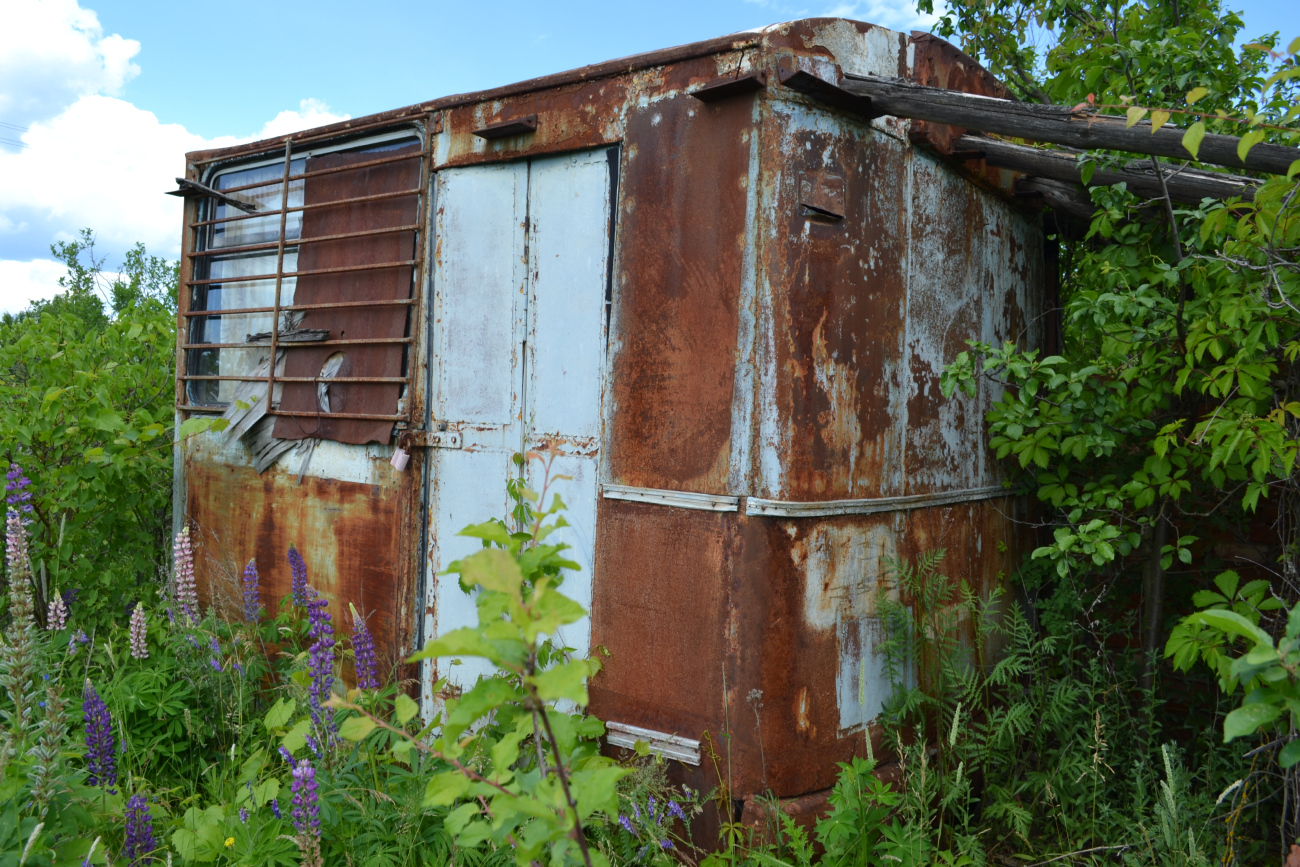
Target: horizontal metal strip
{"type": "Point", "coordinates": [298, 242]}
{"type": "Point", "coordinates": [396, 124]}
{"type": "Point", "coordinates": [414, 155]}
{"type": "Point", "coordinates": [795, 509]}
{"type": "Point", "coordinates": [669, 746]}
{"type": "Point", "coordinates": [315, 343]}
{"type": "Point", "coordinates": [217, 409]}
{"type": "Point", "coordinates": [678, 499]}
{"type": "Point", "coordinates": [325, 379]}
{"type": "Point", "coordinates": [353, 201]}
{"type": "Point", "coordinates": [342, 269]}
{"type": "Point", "coordinates": [332, 305]}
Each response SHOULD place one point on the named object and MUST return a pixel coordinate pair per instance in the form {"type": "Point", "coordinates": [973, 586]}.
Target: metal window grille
{"type": "Point", "coordinates": [196, 313]}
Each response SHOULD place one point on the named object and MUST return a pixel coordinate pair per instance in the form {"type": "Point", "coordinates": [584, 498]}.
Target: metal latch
{"type": "Point", "coordinates": [429, 439]}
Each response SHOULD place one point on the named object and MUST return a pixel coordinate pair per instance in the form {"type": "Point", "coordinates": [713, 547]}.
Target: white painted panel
{"type": "Point", "coordinates": [568, 250]}
{"type": "Point", "coordinates": [579, 494]}
{"type": "Point", "coordinates": [569, 224]}
{"type": "Point", "coordinates": [470, 490]}
{"type": "Point", "coordinates": [479, 282]}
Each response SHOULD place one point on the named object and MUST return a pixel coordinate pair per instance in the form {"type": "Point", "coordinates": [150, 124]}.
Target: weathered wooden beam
{"type": "Point", "coordinates": [1059, 124]}
{"type": "Point", "coordinates": [1188, 186]}
{"type": "Point", "coordinates": [1056, 124]}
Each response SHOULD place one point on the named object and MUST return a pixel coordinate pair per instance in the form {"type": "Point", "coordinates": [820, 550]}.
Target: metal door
{"type": "Point", "coordinates": [521, 277]}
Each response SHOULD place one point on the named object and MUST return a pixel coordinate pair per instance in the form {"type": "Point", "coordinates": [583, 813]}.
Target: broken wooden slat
{"type": "Point", "coordinates": [1189, 186]}
{"type": "Point", "coordinates": [1057, 124]}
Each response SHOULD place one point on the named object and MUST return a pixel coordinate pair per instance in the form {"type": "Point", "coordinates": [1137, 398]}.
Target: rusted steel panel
{"type": "Point", "coordinates": [347, 532]}
{"type": "Point", "coordinates": [837, 287]}
{"type": "Point", "coordinates": [353, 323]}
{"type": "Point", "coordinates": [662, 612]}
{"type": "Point", "coordinates": [681, 239]}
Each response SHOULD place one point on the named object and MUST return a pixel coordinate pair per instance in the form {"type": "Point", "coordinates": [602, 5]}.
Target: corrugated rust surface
{"type": "Point", "coordinates": [353, 323]}
{"type": "Point", "coordinates": [755, 349]}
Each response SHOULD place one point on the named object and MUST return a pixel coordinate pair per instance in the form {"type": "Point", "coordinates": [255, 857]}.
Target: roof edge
{"type": "Point", "coordinates": [605, 69]}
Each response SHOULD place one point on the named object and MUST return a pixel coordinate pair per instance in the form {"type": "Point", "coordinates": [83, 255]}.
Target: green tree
{"type": "Point", "coordinates": [86, 399]}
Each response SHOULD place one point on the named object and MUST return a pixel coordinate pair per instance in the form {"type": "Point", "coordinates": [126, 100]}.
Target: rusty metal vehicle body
{"type": "Point", "coordinates": [727, 305]}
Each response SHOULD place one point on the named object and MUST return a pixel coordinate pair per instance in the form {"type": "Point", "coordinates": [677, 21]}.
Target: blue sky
{"type": "Point", "coordinates": [105, 96]}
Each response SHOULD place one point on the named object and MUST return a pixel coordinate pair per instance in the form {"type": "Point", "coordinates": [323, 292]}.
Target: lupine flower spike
{"type": "Point", "coordinates": [187, 594]}
{"type": "Point", "coordinates": [320, 663]}
{"type": "Point", "coordinates": [298, 584]}
{"type": "Point", "coordinates": [252, 592]}
{"type": "Point", "coordinates": [57, 616]}
{"type": "Point", "coordinates": [140, 842]}
{"type": "Point", "coordinates": [18, 654]}
{"type": "Point", "coordinates": [363, 653]}
{"type": "Point", "coordinates": [139, 643]}
{"type": "Point", "coordinates": [101, 760]}
{"type": "Point", "coordinates": [306, 813]}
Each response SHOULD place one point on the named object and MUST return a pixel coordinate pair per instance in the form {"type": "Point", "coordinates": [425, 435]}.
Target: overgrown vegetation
{"type": "Point", "coordinates": [1131, 698]}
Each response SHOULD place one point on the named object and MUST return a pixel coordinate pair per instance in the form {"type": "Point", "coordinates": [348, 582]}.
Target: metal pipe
{"type": "Point", "coordinates": [270, 245]}
{"type": "Point", "coordinates": [388, 302]}
{"type": "Point", "coordinates": [339, 270]}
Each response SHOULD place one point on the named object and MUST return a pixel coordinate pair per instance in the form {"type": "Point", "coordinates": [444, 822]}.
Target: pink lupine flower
{"type": "Point", "coordinates": [187, 593]}
{"type": "Point", "coordinates": [57, 616]}
{"type": "Point", "coordinates": [139, 647]}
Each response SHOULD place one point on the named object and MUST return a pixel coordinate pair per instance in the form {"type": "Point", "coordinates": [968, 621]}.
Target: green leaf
{"type": "Point", "coordinates": [1194, 95]}
{"type": "Point", "coordinates": [1158, 119]}
{"type": "Point", "coordinates": [1246, 719]}
{"type": "Point", "coordinates": [356, 728]}
{"type": "Point", "coordinates": [458, 818]}
{"type": "Point", "coordinates": [1192, 138]}
{"type": "Point", "coordinates": [598, 790]}
{"type": "Point", "coordinates": [492, 569]}
{"type": "Point", "coordinates": [405, 708]}
{"type": "Point", "coordinates": [280, 713]}
{"type": "Point", "coordinates": [1086, 171]}
{"type": "Point", "coordinates": [1248, 141]}
{"type": "Point", "coordinates": [1231, 623]}
{"type": "Point", "coordinates": [196, 425]}
{"type": "Point", "coordinates": [296, 738]}
{"type": "Point", "coordinates": [443, 789]}
{"type": "Point", "coordinates": [563, 681]}
{"type": "Point", "coordinates": [1290, 754]}
{"type": "Point", "coordinates": [1134, 114]}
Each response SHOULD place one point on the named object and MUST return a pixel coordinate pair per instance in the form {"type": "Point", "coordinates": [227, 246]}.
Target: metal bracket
{"type": "Point", "coordinates": [429, 439]}
{"type": "Point", "coordinates": [678, 499]}
{"type": "Point", "coordinates": [669, 746]}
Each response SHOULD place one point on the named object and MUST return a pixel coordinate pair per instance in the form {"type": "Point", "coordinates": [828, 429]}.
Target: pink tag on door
{"type": "Point", "coordinates": [400, 459]}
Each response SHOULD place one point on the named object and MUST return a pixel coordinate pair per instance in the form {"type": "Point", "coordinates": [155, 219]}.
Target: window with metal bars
{"type": "Point", "coordinates": [312, 259]}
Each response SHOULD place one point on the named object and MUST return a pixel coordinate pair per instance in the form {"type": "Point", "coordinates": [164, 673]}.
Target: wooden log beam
{"type": "Point", "coordinates": [1188, 186]}
{"type": "Point", "coordinates": [1056, 124]}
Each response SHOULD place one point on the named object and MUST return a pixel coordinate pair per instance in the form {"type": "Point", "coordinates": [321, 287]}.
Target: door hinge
{"type": "Point", "coordinates": [429, 439]}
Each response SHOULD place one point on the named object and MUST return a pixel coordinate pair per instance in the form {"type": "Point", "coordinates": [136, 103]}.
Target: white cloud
{"type": "Point", "coordinates": [895, 14]}
{"type": "Point", "coordinates": [51, 53]}
{"type": "Point", "coordinates": [91, 160]}
{"type": "Point", "coordinates": [21, 283]}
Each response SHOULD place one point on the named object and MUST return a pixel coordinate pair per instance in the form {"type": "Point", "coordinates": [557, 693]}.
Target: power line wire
{"type": "Point", "coordinates": [10, 141]}
{"type": "Point", "coordinates": [14, 126]}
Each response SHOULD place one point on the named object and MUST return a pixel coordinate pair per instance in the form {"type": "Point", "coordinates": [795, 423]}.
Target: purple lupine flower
{"type": "Point", "coordinates": [243, 815]}
{"type": "Point", "coordinates": [313, 745]}
{"type": "Point", "coordinates": [627, 824]}
{"type": "Point", "coordinates": [17, 495]}
{"type": "Point", "coordinates": [140, 841]}
{"type": "Point", "coordinates": [306, 811]}
{"type": "Point", "coordinates": [70, 597]}
{"type": "Point", "coordinates": [665, 844]}
{"type": "Point", "coordinates": [363, 654]}
{"type": "Point", "coordinates": [139, 645]}
{"type": "Point", "coordinates": [252, 592]}
{"type": "Point", "coordinates": [676, 810]}
{"type": "Point", "coordinates": [275, 808]}
{"type": "Point", "coordinates": [285, 754]}
{"type": "Point", "coordinates": [237, 667]}
{"type": "Point", "coordinates": [56, 617]}
{"type": "Point", "coordinates": [636, 811]}
{"type": "Point", "coordinates": [187, 593]}
{"type": "Point", "coordinates": [216, 665]}
{"type": "Point", "coordinates": [298, 585]}
{"type": "Point", "coordinates": [101, 760]}
{"type": "Point", "coordinates": [214, 645]}
{"type": "Point", "coordinates": [320, 663]}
